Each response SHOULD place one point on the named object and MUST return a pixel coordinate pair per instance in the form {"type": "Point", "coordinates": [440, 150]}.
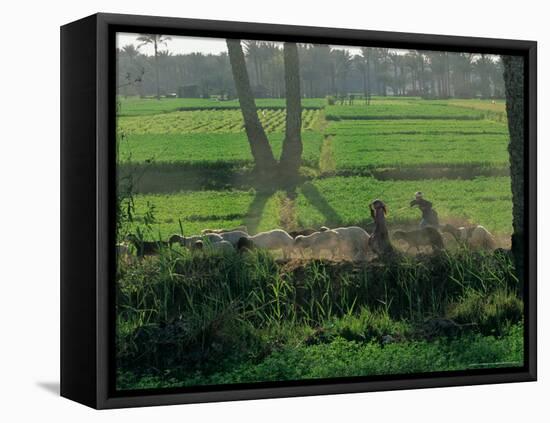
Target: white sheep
{"type": "Point", "coordinates": [354, 243]}
{"type": "Point", "coordinates": [318, 242]}
{"type": "Point", "coordinates": [220, 246]}
{"type": "Point", "coordinates": [481, 238]}
{"type": "Point", "coordinates": [276, 239]}
{"type": "Point", "coordinates": [476, 237]}
{"type": "Point", "coordinates": [233, 236]}
{"type": "Point", "coordinates": [189, 241]}
{"type": "Point", "coordinates": [221, 231]}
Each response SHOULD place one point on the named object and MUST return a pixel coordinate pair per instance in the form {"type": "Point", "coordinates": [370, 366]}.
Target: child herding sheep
{"type": "Point", "coordinates": [429, 215]}
{"type": "Point", "coordinates": [379, 241]}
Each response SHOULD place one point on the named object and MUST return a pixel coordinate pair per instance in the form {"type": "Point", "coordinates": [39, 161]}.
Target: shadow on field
{"type": "Point", "coordinates": [165, 178]}
{"type": "Point", "coordinates": [312, 194]}
{"type": "Point", "coordinates": [424, 171]}
{"type": "Point", "coordinates": [465, 172]}
{"type": "Point", "coordinates": [255, 210]}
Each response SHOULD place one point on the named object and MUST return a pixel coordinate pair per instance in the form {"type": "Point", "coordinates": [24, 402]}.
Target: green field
{"type": "Point", "coordinates": [207, 148]}
{"type": "Point", "coordinates": [416, 126]}
{"type": "Point", "coordinates": [418, 109]}
{"type": "Point", "coordinates": [489, 201]}
{"type": "Point", "coordinates": [351, 358]}
{"type": "Point", "coordinates": [201, 139]}
{"type": "Point", "coordinates": [342, 202]}
{"type": "Point", "coordinates": [134, 106]}
{"type": "Point", "coordinates": [419, 150]}
{"type": "Point", "coordinates": [188, 318]}
{"type": "Point", "coordinates": [197, 210]}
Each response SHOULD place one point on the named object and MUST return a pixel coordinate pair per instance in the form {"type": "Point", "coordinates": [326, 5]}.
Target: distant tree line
{"type": "Point", "coordinates": [324, 70]}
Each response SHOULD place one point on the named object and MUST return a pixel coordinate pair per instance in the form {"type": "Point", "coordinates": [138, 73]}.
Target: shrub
{"type": "Point", "coordinates": [490, 314]}
{"type": "Point", "coordinates": [367, 326]}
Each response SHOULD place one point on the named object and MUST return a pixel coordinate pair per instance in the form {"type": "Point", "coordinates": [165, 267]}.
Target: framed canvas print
{"type": "Point", "coordinates": [254, 211]}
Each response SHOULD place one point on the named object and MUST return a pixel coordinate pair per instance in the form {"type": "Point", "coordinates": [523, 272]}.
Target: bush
{"type": "Point", "coordinates": [490, 314]}
{"type": "Point", "coordinates": [366, 326]}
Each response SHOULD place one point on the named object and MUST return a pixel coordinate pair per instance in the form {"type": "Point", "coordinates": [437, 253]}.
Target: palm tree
{"type": "Point", "coordinates": [414, 61]}
{"type": "Point", "coordinates": [252, 50]}
{"type": "Point", "coordinates": [483, 67]}
{"type": "Point", "coordinates": [128, 59]}
{"type": "Point", "coordinates": [156, 40]}
{"type": "Point", "coordinates": [439, 71]}
{"type": "Point", "coordinates": [342, 68]}
{"type": "Point", "coordinates": [264, 160]}
{"type": "Point", "coordinates": [513, 81]}
{"type": "Point", "coordinates": [397, 62]}
{"type": "Point", "coordinates": [291, 156]}
{"type": "Point", "coordinates": [381, 62]}
{"type": "Point", "coordinates": [309, 70]}
{"type": "Point", "coordinates": [462, 71]}
{"type": "Point", "coordinates": [361, 63]}
{"type": "Point", "coordinates": [221, 71]}
{"type": "Point", "coordinates": [259, 144]}
{"type": "Point", "coordinates": [274, 73]}
{"type": "Point", "coordinates": [130, 51]}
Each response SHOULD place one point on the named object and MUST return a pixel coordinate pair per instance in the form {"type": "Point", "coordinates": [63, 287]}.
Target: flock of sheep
{"type": "Point", "coordinates": [344, 243]}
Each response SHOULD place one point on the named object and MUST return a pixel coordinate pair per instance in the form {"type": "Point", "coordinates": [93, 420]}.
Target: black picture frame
{"type": "Point", "coordinates": [87, 215]}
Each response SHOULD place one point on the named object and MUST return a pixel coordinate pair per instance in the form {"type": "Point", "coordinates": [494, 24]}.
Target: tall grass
{"type": "Point", "coordinates": [195, 311]}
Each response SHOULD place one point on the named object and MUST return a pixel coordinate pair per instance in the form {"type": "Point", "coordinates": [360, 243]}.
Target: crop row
{"type": "Point", "coordinates": [416, 126]}
{"type": "Point", "coordinates": [405, 110]}
{"type": "Point", "coordinates": [209, 121]}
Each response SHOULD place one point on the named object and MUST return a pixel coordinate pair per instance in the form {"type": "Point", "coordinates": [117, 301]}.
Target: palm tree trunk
{"type": "Point", "coordinates": [157, 70]}
{"type": "Point", "coordinates": [421, 77]}
{"type": "Point", "coordinates": [259, 144]}
{"type": "Point", "coordinates": [513, 82]}
{"type": "Point", "coordinates": [395, 81]}
{"type": "Point", "coordinates": [368, 77]}
{"type": "Point", "coordinates": [257, 70]}
{"type": "Point", "coordinates": [291, 156]}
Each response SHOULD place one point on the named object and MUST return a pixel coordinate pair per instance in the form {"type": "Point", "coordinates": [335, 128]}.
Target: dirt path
{"type": "Point", "coordinates": [327, 163]}
{"type": "Point", "coordinates": [288, 219]}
